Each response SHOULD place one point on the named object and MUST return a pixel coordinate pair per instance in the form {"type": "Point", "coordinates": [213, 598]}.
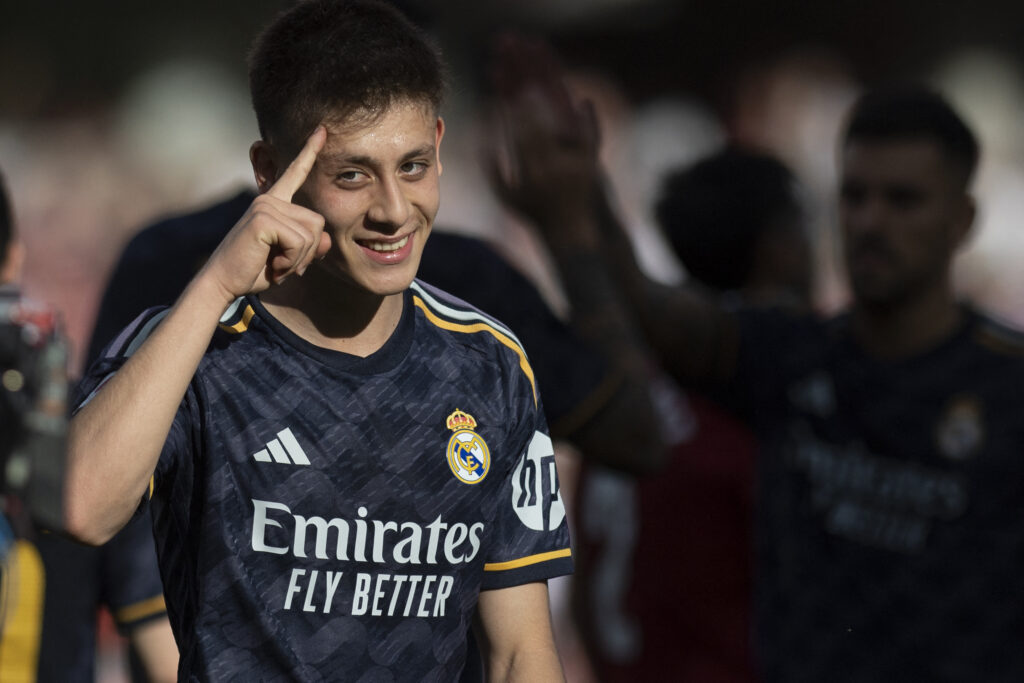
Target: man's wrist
{"type": "Point", "coordinates": [206, 295]}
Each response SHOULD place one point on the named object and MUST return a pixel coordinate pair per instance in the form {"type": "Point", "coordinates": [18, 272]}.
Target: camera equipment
{"type": "Point", "coordinates": [33, 415]}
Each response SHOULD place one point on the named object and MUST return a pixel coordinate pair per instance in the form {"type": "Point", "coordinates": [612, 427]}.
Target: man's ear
{"type": "Point", "coordinates": [264, 164]}
{"type": "Point", "coordinates": [437, 143]}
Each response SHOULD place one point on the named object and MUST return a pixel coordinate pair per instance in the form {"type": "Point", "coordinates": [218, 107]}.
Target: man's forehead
{"type": "Point", "coordinates": [353, 120]}
{"type": "Point", "coordinates": [903, 158]}
{"type": "Point", "coordinates": [916, 149]}
{"type": "Point", "coordinates": [397, 129]}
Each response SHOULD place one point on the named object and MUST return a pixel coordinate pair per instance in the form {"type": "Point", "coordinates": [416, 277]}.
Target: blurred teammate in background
{"type": "Point", "coordinates": [890, 523]}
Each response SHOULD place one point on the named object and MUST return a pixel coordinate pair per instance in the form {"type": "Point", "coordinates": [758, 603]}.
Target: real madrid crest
{"type": "Point", "coordinates": [468, 455]}
{"type": "Point", "coordinates": [961, 431]}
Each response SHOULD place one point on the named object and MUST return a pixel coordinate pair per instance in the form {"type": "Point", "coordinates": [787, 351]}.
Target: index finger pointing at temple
{"type": "Point", "coordinates": [295, 175]}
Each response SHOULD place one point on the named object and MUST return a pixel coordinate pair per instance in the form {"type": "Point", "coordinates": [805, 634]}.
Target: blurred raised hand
{"type": "Point", "coordinates": [543, 158]}
{"type": "Point", "coordinates": [543, 163]}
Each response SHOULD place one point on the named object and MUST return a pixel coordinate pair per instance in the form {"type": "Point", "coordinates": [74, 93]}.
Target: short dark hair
{"type": "Point", "coordinates": [6, 221]}
{"type": "Point", "coordinates": [714, 212]}
{"type": "Point", "coordinates": [329, 59]}
{"type": "Point", "coordinates": [914, 112]}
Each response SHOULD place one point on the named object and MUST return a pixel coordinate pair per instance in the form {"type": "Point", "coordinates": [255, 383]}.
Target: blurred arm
{"type": "Point", "coordinates": [154, 643]}
{"type": "Point", "coordinates": [695, 340]}
{"type": "Point", "coordinates": [546, 168]}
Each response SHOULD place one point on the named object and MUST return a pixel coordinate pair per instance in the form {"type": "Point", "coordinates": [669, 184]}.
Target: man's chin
{"type": "Point", "coordinates": [391, 283]}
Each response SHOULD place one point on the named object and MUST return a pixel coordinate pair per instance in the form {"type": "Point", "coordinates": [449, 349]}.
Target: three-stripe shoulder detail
{"type": "Point", "coordinates": [457, 316]}
{"type": "Point", "coordinates": [235, 319]}
{"type": "Point", "coordinates": [133, 336]}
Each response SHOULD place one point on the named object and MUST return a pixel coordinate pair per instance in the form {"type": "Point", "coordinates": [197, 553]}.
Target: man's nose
{"type": "Point", "coordinates": [389, 206]}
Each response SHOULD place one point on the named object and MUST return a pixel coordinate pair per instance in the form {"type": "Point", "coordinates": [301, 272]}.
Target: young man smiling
{"type": "Point", "coordinates": [345, 466]}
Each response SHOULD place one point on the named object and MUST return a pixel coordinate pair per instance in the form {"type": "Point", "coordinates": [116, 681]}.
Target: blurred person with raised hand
{"type": "Point", "coordinates": [597, 311]}
{"type": "Point", "coordinates": [52, 588]}
{"type": "Point", "coordinates": [735, 221]}
{"type": "Point", "coordinates": [889, 517]}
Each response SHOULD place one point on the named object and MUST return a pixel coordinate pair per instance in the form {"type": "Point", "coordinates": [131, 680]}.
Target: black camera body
{"type": "Point", "coordinates": [33, 414]}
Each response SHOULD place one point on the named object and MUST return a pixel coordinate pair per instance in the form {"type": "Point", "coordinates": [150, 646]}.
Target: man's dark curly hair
{"type": "Point", "coordinates": [715, 211]}
{"type": "Point", "coordinates": [326, 60]}
{"type": "Point", "coordinates": [910, 112]}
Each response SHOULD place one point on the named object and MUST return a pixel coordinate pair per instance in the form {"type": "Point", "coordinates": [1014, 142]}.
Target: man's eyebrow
{"type": "Point", "coordinates": [341, 158]}
{"type": "Point", "coordinates": [424, 150]}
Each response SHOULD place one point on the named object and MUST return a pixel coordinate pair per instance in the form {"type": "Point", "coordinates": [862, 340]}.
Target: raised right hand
{"type": "Point", "coordinates": [275, 237]}
{"type": "Point", "coordinates": [543, 161]}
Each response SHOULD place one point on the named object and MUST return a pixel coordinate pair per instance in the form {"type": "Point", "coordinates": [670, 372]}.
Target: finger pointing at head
{"type": "Point", "coordinates": [297, 172]}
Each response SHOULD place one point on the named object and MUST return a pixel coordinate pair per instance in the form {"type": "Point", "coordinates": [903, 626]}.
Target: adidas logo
{"type": "Point", "coordinates": [279, 450]}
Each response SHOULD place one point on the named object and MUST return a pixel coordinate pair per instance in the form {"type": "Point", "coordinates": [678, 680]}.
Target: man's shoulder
{"type": "Point", "coordinates": [462, 319]}
{"type": "Point", "coordinates": [466, 327]}
{"type": "Point", "coordinates": [997, 336]}
{"type": "Point", "coordinates": [474, 271]}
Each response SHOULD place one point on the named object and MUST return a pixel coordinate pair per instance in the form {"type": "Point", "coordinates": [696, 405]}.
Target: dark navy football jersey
{"type": "Point", "coordinates": [891, 503]}
{"type": "Point", "coordinates": [324, 516]}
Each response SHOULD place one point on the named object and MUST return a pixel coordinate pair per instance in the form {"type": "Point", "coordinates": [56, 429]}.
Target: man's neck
{"type": "Point", "coordinates": [334, 317]}
{"type": "Point", "coordinates": [907, 329]}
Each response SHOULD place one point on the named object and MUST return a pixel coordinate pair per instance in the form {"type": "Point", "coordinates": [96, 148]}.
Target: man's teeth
{"type": "Point", "coordinates": [388, 246]}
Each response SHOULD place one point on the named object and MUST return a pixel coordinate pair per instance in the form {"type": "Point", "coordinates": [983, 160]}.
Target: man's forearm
{"type": "Point", "coordinates": [623, 432]}
{"type": "Point", "coordinates": [115, 440]}
{"type": "Point", "coordinates": [692, 337]}
{"type": "Point", "coordinates": [534, 666]}
{"type": "Point", "coordinates": [516, 635]}
{"type": "Point", "coordinates": [638, 291]}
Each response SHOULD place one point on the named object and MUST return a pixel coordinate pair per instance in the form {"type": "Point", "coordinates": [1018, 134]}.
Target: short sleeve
{"type": "Point", "coordinates": [130, 576]}
{"type": "Point", "coordinates": [532, 533]}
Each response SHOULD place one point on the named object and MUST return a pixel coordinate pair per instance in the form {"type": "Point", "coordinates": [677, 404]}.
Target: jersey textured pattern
{"type": "Point", "coordinates": [891, 506]}
{"type": "Point", "coordinates": [323, 516]}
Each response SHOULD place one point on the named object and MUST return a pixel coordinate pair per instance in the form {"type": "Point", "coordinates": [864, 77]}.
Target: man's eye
{"type": "Point", "coordinates": [414, 167]}
{"type": "Point", "coordinates": [349, 176]}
